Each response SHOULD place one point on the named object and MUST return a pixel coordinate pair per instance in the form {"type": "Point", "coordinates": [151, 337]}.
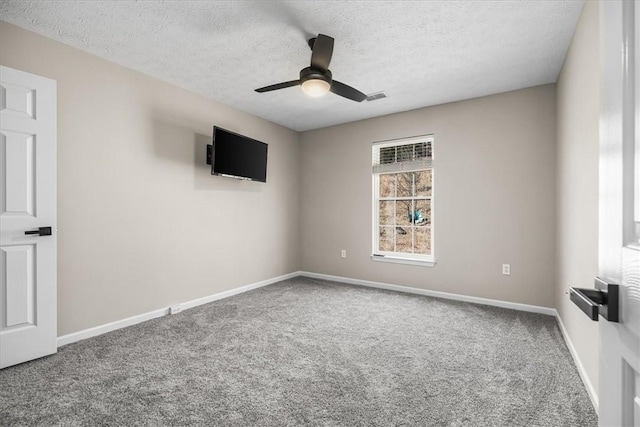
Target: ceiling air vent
{"type": "Point", "coordinates": [376, 96]}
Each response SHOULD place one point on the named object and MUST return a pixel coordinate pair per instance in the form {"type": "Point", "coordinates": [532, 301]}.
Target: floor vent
{"type": "Point", "coordinates": [376, 96]}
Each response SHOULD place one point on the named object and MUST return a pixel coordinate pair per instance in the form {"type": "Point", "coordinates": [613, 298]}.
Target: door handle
{"type": "Point", "coordinates": [603, 300]}
{"type": "Point", "coordinates": [42, 231]}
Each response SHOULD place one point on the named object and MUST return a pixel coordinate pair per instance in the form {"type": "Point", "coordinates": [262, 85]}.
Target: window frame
{"type": "Point", "coordinates": [401, 257]}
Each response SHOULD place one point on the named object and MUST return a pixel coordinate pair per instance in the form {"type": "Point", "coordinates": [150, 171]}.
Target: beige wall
{"type": "Point", "coordinates": [142, 223]}
{"type": "Point", "coordinates": [494, 197]}
{"type": "Point", "coordinates": [577, 195]}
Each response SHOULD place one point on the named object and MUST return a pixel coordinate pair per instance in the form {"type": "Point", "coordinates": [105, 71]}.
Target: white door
{"type": "Point", "coordinates": [28, 312]}
{"type": "Point", "coordinates": [619, 251]}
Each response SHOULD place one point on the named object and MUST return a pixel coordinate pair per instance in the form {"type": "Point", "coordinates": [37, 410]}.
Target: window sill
{"type": "Point", "coordinates": [397, 260]}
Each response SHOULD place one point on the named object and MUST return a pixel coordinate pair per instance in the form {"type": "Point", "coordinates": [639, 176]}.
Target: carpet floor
{"type": "Point", "coordinates": [310, 352]}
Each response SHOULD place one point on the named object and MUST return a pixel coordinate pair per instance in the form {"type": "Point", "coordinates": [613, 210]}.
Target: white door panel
{"type": "Point", "coordinates": [19, 262]}
{"type": "Point", "coordinates": [619, 241]}
{"type": "Point", "coordinates": [19, 162]}
{"type": "Point", "coordinates": [28, 316]}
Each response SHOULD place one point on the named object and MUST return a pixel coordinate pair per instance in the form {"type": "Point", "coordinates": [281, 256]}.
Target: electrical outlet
{"type": "Point", "coordinates": [506, 269]}
{"type": "Point", "coordinates": [174, 309]}
{"type": "Point", "coordinates": [343, 253]}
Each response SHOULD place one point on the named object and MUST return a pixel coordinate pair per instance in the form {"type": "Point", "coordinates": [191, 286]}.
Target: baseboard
{"type": "Point", "coordinates": [119, 324]}
{"type": "Point", "coordinates": [236, 291]}
{"type": "Point", "coordinates": [108, 327]}
{"type": "Point", "coordinates": [593, 395]}
{"type": "Point", "coordinates": [407, 289]}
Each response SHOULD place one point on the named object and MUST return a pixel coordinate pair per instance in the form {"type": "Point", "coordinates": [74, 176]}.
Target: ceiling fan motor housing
{"type": "Point", "coordinates": [311, 74]}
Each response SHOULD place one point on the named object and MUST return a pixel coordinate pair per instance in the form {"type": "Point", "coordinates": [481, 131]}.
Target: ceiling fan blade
{"type": "Point", "coordinates": [322, 51]}
{"type": "Point", "coordinates": [278, 86]}
{"type": "Point", "coordinates": [347, 91]}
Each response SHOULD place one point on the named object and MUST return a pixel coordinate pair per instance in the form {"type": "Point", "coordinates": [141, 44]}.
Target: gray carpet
{"type": "Point", "coordinates": [308, 352]}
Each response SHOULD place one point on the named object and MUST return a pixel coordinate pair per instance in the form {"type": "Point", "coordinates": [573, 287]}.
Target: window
{"type": "Point", "coordinates": [403, 201]}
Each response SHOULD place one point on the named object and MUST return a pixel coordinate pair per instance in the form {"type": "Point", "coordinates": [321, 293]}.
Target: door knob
{"type": "Point", "coordinates": [42, 231]}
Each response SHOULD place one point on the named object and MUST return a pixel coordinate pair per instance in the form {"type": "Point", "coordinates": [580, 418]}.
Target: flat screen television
{"type": "Point", "coordinates": [237, 156]}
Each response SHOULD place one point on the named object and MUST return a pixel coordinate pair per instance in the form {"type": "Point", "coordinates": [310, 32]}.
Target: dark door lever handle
{"type": "Point", "coordinates": [603, 300]}
{"type": "Point", "coordinates": [42, 231]}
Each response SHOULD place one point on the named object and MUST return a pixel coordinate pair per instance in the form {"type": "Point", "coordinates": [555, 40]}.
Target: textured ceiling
{"type": "Point", "coordinates": [420, 53]}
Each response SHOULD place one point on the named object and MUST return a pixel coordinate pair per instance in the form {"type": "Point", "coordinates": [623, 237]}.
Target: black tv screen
{"type": "Point", "coordinates": [238, 156]}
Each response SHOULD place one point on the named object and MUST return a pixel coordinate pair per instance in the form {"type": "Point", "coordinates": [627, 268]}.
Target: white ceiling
{"type": "Point", "coordinates": [420, 53]}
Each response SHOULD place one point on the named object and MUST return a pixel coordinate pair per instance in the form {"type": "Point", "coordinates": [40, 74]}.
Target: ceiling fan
{"type": "Point", "coordinates": [317, 80]}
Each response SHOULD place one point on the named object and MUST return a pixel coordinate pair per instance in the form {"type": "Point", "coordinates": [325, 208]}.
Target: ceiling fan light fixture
{"type": "Point", "coordinates": [316, 87]}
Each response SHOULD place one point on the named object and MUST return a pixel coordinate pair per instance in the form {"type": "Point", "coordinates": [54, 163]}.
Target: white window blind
{"type": "Point", "coordinates": [406, 155]}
